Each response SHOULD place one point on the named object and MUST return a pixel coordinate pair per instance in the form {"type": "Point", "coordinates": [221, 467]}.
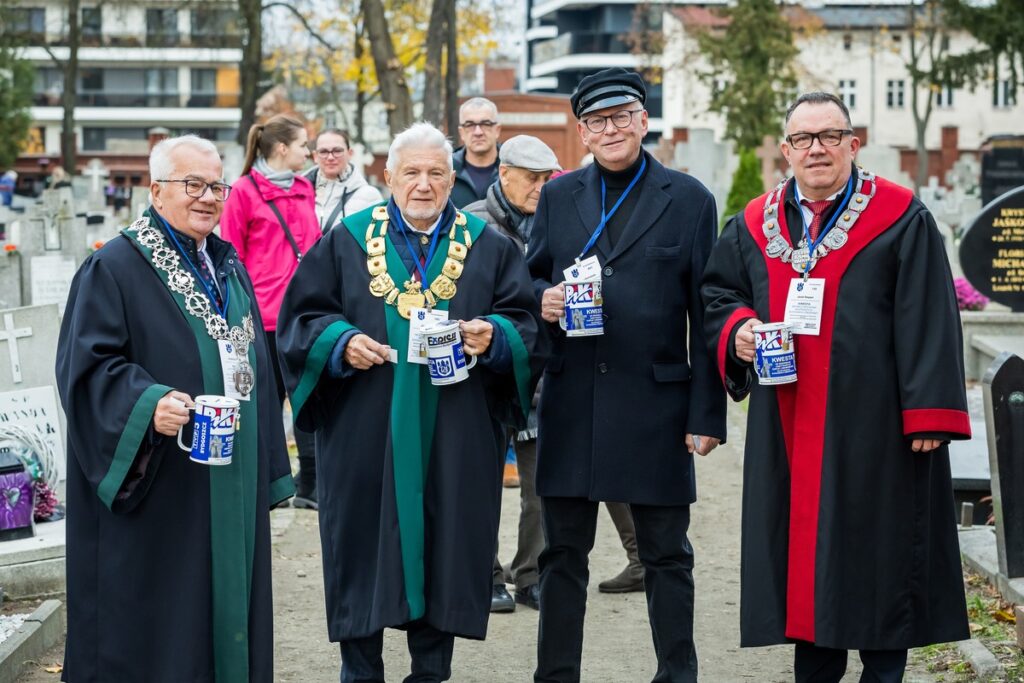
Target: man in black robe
{"type": "Point", "coordinates": [622, 413]}
{"type": "Point", "coordinates": [168, 560]}
{"type": "Point", "coordinates": [409, 473]}
{"type": "Point", "coordinates": [849, 538]}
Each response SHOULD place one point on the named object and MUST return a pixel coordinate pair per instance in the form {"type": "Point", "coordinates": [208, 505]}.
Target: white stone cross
{"type": "Point", "coordinates": [11, 336]}
{"type": "Point", "coordinates": [95, 170]}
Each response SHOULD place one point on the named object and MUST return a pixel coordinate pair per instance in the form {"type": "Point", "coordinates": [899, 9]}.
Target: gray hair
{"type": "Point", "coordinates": [418, 136]}
{"type": "Point", "coordinates": [478, 103]}
{"type": "Point", "coordinates": [817, 97]}
{"type": "Point", "coordinates": [160, 165]}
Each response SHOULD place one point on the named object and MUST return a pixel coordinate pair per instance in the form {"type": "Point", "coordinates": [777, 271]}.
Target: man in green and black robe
{"type": "Point", "coordinates": [168, 560]}
{"type": "Point", "coordinates": [410, 474]}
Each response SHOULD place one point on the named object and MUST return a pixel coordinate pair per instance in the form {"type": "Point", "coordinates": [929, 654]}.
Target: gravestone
{"type": "Point", "coordinates": [713, 163]}
{"type": "Point", "coordinates": [1004, 407]}
{"type": "Point", "coordinates": [28, 397]}
{"type": "Point", "coordinates": [992, 250]}
{"type": "Point", "coordinates": [97, 174]}
{"type": "Point", "coordinates": [139, 203]}
{"type": "Point", "coordinates": [770, 155]}
{"type": "Point", "coordinates": [1002, 166]}
{"type": "Point", "coordinates": [884, 161]}
{"type": "Point", "coordinates": [53, 243]}
{"type": "Point", "coordinates": [10, 279]}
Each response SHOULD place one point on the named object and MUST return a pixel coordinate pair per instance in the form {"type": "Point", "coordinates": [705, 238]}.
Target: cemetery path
{"type": "Point", "coordinates": [617, 646]}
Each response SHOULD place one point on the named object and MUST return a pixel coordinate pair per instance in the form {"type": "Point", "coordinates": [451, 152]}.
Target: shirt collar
{"type": "Point", "coordinates": [800, 196]}
{"type": "Point", "coordinates": [428, 231]}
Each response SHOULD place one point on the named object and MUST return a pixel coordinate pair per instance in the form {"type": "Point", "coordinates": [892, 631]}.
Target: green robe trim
{"type": "Point", "coordinates": [281, 488]}
{"type": "Point", "coordinates": [413, 404]}
{"type": "Point", "coordinates": [520, 361]}
{"type": "Point", "coordinates": [128, 445]}
{"type": "Point", "coordinates": [232, 490]}
{"type": "Point", "coordinates": [315, 362]}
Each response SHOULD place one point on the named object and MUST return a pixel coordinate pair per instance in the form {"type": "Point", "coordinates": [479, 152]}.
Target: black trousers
{"type": "Point", "coordinates": [813, 664]}
{"type": "Point", "coordinates": [431, 650]}
{"type": "Point", "coordinates": [667, 557]}
{"type": "Point", "coordinates": [305, 441]}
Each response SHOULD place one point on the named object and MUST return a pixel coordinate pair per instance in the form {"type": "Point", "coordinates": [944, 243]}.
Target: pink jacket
{"type": "Point", "coordinates": [250, 225]}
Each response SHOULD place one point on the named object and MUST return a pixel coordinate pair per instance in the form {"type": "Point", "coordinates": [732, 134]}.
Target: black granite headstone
{"type": "Point", "coordinates": [1003, 387]}
{"type": "Point", "coordinates": [1002, 166]}
{"type": "Point", "coordinates": [992, 250]}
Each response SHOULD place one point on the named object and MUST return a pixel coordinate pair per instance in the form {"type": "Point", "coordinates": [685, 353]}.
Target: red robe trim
{"type": "Point", "coordinates": [802, 405]}
{"type": "Point", "coordinates": [723, 338]}
{"type": "Point", "coordinates": [936, 420]}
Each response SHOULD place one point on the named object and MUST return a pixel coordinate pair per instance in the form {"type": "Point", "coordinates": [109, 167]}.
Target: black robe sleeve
{"type": "Point", "coordinates": [108, 399]}
{"type": "Point", "coordinates": [313, 302]}
{"type": "Point", "coordinates": [538, 255]}
{"type": "Point", "coordinates": [729, 302]}
{"type": "Point", "coordinates": [928, 336]}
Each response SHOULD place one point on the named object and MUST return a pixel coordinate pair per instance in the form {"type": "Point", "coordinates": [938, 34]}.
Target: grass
{"type": "Point", "coordinates": [990, 619]}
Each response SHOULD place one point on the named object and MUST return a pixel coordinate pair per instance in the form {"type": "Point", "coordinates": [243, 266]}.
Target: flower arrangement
{"type": "Point", "coordinates": [10, 249]}
{"type": "Point", "coordinates": [967, 297]}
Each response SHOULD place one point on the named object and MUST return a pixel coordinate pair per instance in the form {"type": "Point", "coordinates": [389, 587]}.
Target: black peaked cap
{"type": "Point", "coordinates": [607, 88]}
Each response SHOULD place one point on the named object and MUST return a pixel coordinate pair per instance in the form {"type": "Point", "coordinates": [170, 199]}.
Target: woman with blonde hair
{"type": "Point", "coordinates": [270, 218]}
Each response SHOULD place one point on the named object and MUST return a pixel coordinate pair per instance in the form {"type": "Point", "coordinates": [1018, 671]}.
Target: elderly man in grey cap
{"type": "Point", "coordinates": [631, 395]}
{"type": "Point", "coordinates": [525, 164]}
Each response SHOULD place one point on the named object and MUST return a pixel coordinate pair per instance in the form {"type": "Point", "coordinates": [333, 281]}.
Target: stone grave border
{"type": "Point", "coordinates": [41, 631]}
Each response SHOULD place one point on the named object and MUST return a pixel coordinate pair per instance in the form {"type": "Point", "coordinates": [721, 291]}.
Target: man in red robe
{"type": "Point", "coordinates": [849, 537]}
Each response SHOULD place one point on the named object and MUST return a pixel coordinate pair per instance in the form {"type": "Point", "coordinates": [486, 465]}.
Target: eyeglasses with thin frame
{"type": "Point", "coordinates": [336, 152]}
{"type": "Point", "coordinates": [197, 188]}
{"type": "Point", "coordinates": [832, 137]}
{"type": "Point", "coordinates": [620, 119]}
{"type": "Point", "coordinates": [486, 124]}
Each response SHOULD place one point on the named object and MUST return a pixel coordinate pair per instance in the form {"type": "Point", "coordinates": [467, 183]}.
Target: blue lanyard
{"type": "Point", "coordinates": [412, 252]}
{"type": "Point", "coordinates": [828, 226]}
{"type": "Point", "coordinates": [195, 271]}
{"type": "Point", "coordinates": [605, 217]}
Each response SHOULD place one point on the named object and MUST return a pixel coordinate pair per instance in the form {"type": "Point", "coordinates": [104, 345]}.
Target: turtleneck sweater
{"type": "Point", "coordinates": [616, 183]}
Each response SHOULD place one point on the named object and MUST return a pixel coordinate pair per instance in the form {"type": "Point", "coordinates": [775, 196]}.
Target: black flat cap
{"type": "Point", "coordinates": [607, 88]}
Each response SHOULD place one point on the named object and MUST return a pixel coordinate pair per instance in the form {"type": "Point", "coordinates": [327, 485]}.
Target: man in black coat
{"type": "Point", "coordinates": [622, 411]}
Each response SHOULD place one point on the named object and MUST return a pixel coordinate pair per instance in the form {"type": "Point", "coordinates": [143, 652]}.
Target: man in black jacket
{"type": "Point", "coordinates": [526, 163]}
{"type": "Point", "coordinates": [476, 163]}
{"type": "Point", "coordinates": [623, 410]}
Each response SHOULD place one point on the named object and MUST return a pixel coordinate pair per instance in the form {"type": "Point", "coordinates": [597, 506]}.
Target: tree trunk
{"type": "Point", "coordinates": [451, 81]}
{"type": "Point", "coordinates": [251, 65]}
{"type": "Point", "coordinates": [390, 74]}
{"type": "Point", "coordinates": [436, 37]}
{"type": "Point", "coordinates": [360, 94]}
{"type": "Point", "coordinates": [68, 142]}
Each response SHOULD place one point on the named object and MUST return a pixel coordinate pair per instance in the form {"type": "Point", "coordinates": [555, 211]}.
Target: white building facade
{"type": "Point", "coordinates": [859, 51]}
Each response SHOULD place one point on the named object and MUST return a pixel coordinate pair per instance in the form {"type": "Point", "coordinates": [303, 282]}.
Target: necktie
{"type": "Point", "coordinates": [818, 209]}
{"type": "Point", "coordinates": [205, 273]}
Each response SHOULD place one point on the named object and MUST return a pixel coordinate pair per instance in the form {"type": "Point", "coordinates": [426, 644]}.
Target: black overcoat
{"type": "Point", "coordinates": [615, 409]}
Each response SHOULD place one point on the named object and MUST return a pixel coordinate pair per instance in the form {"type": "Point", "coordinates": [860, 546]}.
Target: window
{"type": "Point", "coordinates": [204, 88]}
{"type": "Point", "coordinates": [847, 41]}
{"type": "Point", "coordinates": [215, 28]}
{"type": "Point", "coordinates": [92, 25]}
{"type": "Point", "coordinates": [894, 94]}
{"type": "Point", "coordinates": [848, 93]}
{"type": "Point", "coordinates": [48, 87]}
{"type": "Point", "coordinates": [97, 139]}
{"type": "Point", "coordinates": [29, 22]}
{"type": "Point", "coordinates": [1004, 94]}
{"type": "Point", "coordinates": [161, 27]}
{"type": "Point", "coordinates": [944, 97]}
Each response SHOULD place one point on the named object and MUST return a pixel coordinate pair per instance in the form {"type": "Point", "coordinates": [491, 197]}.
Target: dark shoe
{"type": "Point", "coordinates": [305, 496]}
{"type": "Point", "coordinates": [501, 601]}
{"type": "Point", "coordinates": [529, 596]}
{"type": "Point", "coordinates": [629, 580]}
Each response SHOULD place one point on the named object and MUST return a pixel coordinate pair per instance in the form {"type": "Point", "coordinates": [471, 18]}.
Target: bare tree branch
{"type": "Point", "coordinates": [305, 23]}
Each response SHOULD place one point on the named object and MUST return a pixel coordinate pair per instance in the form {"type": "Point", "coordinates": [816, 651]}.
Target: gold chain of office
{"type": "Point", "coordinates": [414, 296]}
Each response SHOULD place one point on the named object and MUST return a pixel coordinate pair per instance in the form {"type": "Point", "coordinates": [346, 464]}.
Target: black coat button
{"type": "Point", "coordinates": [602, 368]}
{"type": "Point", "coordinates": [608, 271]}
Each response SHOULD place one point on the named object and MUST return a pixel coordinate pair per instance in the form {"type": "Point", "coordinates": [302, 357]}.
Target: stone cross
{"type": "Point", "coordinates": [1003, 387]}
{"type": "Point", "coordinates": [96, 172]}
{"type": "Point", "coordinates": [769, 154]}
{"type": "Point", "coordinates": [11, 335]}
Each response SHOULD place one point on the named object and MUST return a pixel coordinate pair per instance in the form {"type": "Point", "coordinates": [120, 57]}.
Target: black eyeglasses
{"type": "Point", "coordinates": [336, 152]}
{"type": "Point", "coordinates": [832, 137]}
{"type": "Point", "coordinates": [620, 119]}
{"type": "Point", "coordinates": [197, 188]}
{"type": "Point", "coordinates": [486, 124]}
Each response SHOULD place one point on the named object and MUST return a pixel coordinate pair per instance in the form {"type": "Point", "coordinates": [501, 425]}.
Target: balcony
{"type": "Point", "coordinates": [579, 43]}
{"type": "Point", "coordinates": [210, 39]}
{"type": "Point", "coordinates": [163, 39]}
{"type": "Point", "coordinates": [112, 98]}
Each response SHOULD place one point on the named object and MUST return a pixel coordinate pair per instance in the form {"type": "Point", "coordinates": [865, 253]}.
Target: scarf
{"type": "Point", "coordinates": [516, 220]}
{"type": "Point", "coordinates": [282, 179]}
